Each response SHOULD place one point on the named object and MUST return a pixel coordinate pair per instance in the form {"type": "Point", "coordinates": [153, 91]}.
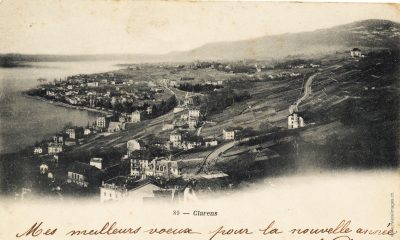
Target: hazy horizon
{"type": "Point", "coordinates": [155, 54]}
{"type": "Point", "coordinates": [152, 28]}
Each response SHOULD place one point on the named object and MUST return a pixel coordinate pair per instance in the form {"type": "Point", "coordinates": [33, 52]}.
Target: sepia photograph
{"type": "Point", "coordinates": [256, 107]}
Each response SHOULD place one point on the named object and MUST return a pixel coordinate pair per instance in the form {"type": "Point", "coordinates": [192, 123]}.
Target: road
{"type": "Point", "coordinates": [213, 155]}
{"type": "Point", "coordinates": [199, 131]}
{"type": "Point", "coordinates": [307, 88]}
{"type": "Point", "coordinates": [306, 94]}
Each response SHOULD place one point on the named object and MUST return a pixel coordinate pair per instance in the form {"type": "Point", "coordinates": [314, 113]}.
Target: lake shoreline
{"type": "Point", "coordinates": [61, 104]}
{"type": "Point", "coordinates": [25, 121]}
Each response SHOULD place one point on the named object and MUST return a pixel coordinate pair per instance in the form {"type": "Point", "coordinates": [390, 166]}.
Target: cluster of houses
{"type": "Point", "coordinates": [142, 164]}
{"type": "Point", "coordinates": [156, 167]}
{"type": "Point", "coordinates": [178, 140]}
{"type": "Point", "coordinates": [145, 170]}
{"type": "Point", "coordinates": [189, 118]}
{"type": "Point", "coordinates": [101, 91]}
{"type": "Point", "coordinates": [110, 124]}
{"type": "Point", "coordinates": [284, 75]}
{"type": "Point", "coordinates": [143, 182]}
{"type": "Point", "coordinates": [71, 136]}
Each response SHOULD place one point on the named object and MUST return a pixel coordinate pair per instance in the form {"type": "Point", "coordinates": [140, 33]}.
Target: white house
{"type": "Point", "coordinates": [191, 144]}
{"type": "Point", "coordinates": [50, 93]}
{"type": "Point", "coordinates": [142, 167]}
{"type": "Point", "coordinates": [101, 122]}
{"type": "Point", "coordinates": [175, 138]}
{"type": "Point", "coordinates": [120, 188]}
{"type": "Point", "coordinates": [75, 132]}
{"type": "Point", "coordinates": [355, 52]}
{"type": "Point", "coordinates": [194, 113]}
{"type": "Point", "coordinates": [38, 150]}
{"type": "Point", "coordinates": [149, 110]}
{"type": "Point", "coordinates": [187, 101]}
{"type": "Point", "coordinates": [110, 191]}
{"type": "Point", "coordinates": [54, 148]}
{"type": "Point", "coordinates": [96, 162]}
{"type": "Point", "coordinates": [295, 121]}
{"type": "Point", "coordinates": [43, 168]}
{"type": "Point", "coordinates": [166, 168]}
{"type": "Point", "coordinates": [59, 138]}
{"type": "Point", "coordinates": [228, 134]}
{"type": "Point", "coordinates": [158, 167]}
{"type": "Point", "coordinates": [136, 116]}
{"type": "Point", "coordinates": [210, 142]}
{"type": "Point", "coordinates": [87, 131]}
{"type": "Point", "coordinates": [93, 84]}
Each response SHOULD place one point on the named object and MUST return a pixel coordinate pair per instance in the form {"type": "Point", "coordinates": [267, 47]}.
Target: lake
{"type": "Point", "coordinates": [24, 120]}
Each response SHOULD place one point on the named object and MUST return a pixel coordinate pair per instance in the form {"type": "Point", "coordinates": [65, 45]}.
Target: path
{"type": "Point", "coordinates": [307, 92]}
{"type": "Point", "coordinates": [214, 154]}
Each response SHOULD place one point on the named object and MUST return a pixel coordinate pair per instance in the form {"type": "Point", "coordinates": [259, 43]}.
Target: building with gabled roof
{"type": "Point", "coordinates": [83, 174]}
{"type": "Point", "coordinates": [96, 162]}
{"type": "Point", "coordinates": [125, 188]}
{"type": "Point", "coordinates": [355, 52]}
{"type": "Point", "coordinates": [229, 133]}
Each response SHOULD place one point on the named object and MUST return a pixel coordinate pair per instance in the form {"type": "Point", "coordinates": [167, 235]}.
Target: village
{"type": "Point", "coordinates": [162, 138]}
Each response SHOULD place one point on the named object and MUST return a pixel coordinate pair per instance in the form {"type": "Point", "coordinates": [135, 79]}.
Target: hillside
{"type": "Point", "coordinates": [363, 34]}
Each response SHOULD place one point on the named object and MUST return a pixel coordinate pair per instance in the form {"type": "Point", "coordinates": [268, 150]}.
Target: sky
{"type": "Point", "coordinates": [157, 27]}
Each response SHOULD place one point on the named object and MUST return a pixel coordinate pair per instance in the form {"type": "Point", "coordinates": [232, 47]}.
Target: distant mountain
{"type": "Point", "coordinates": [15, 57]}
{"type": "Point", "coordinates": [363, 34]}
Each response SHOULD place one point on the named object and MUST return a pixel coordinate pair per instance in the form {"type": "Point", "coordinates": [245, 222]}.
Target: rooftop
{"type": "Point", "coordinates": [96, 160]}
{"type": "Point", "coordinates": [127, 183]}
{"type": "Point", "coordinates": [83, 168]}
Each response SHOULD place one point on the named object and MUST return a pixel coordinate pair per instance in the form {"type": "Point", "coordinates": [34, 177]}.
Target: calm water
{"type": "Point", "coordinates": [23, 120]}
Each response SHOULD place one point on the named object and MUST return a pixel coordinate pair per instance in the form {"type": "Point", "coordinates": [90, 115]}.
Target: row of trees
{"type": "Point", "coordinates": [220, 100]}
{"type": "Point", "coordinates": [156, 109]}
{"type": "Point", "coordinates": [198, 87]}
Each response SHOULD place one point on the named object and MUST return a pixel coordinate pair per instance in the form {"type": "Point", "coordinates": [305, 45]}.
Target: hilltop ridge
{"type": "Point", "coordinates": [371, 33]}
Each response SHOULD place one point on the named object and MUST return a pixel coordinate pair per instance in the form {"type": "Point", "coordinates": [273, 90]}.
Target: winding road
{"type": "Point", "coordinates": [293, 108]}
{"type": "Point", "coordinates": [214, 154]}
{"type": "Point", "coordinates": [307, 92]}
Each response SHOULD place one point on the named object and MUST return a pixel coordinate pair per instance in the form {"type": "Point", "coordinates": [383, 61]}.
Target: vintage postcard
{"type": "Point", "coordinates": [200, 120]}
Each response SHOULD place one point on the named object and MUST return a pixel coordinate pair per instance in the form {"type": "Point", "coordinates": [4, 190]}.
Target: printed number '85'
{"type": "Point", "coordinates": [176, 212]}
